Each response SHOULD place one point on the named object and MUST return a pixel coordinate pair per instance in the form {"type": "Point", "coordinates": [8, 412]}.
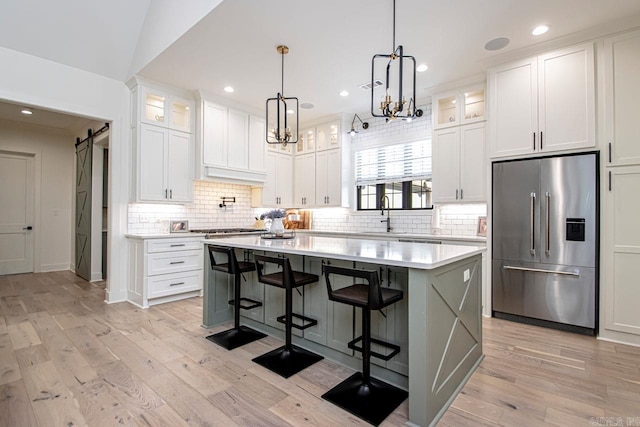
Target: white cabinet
{"type": "Point", "coordinates": [459, 164]}
{"type": "Point", "coordinates": [278, 188]}
{"type": "Point", "coordinates": [543, 104]}
{"type": "Point", "coordinates": [160, 108]}
{"type": "Point", "coordinates": [462, 106]}
{"type": "Point", "coordinates": [164, 165]}
{"type": "Point", "coordinates": [231, 145]}
{"type": "Point", "coordinates": [328, 135]}
{"type": "Point", "coordinates": [306, 141]}
{"type": "Point", "coordinates": [621, 250]}
{"type": "Point", "coordinates": [621, 97]}
{"type": "Point", "coordinates": [328, 178]}
{"type": "Point", "coordinates": [164, 270]}
{"type": "Point", "coordinates": [304, 180]}
{"type": "Point", "coordinates": [163, 152]}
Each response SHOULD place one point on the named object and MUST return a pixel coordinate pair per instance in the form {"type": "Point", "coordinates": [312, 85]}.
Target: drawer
{"type": "Point", "coordinates": [176, 283]}
{"type": "Point", "coordinates": [173, 262]}
{"type": "Point", "coordinates": [174, 244]}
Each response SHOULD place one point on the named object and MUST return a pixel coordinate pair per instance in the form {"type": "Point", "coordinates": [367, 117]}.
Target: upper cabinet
{"type": "Point", "coordinates": [621, 95]}
{"type": "Point", "coordinates": [458, 107]}
{"type": "Point", "coordinates": [458, 173]}
{"type": "Point", "coordinates": [543, 104]}
{"type": "Point", "coordinates": [306, 141]}
{"type": "Point", "coordinates": [161, 125]}
{"type": "Point", "coordinates": [328, 136]}
{"type": "Point", "coordinates": [231, 145]}
{"type": "Point", "coordinates": [160, 108]}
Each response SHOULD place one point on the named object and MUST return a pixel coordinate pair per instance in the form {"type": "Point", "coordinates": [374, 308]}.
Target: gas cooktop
{"type": "Point", "coordinates": [218, 231]}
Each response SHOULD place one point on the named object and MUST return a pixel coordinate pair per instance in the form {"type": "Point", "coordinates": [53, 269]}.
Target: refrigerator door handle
{"type": "Point", "coordinates": [532, 202]}
{"type": "Point", "coordinates": [546, 224]}
{"type": "Point", "coordinates": [538, 270]}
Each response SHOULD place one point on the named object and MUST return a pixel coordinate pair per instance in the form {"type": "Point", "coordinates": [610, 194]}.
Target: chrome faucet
{"type": "Point", "coordinates": [388, 220]}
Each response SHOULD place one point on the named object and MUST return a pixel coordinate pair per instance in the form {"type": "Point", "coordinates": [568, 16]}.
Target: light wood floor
{"type": "Point", "coordinates": [66, 358]}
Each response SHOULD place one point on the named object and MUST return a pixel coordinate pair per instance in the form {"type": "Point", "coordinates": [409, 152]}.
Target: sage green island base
{"type": "Point", "coordinates": [437, 325]}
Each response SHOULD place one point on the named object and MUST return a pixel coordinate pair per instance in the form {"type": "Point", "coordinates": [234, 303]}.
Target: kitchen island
{"type": "Point", "coordinates": [437, 325]}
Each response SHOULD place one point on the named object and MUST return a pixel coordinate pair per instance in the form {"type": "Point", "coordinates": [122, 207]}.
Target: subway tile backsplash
{"type": "Point", "coordinates": [205, 212]}
{"type": "Point", "coordinates": [455, 220]}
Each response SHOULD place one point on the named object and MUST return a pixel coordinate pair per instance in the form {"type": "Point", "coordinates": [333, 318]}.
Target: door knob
{"type": "Point", "coordinates": [27, 228]}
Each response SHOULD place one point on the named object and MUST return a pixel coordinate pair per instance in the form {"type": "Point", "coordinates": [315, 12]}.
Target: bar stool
{"type": "Point", "coordinates": [288, 359]}
{"type": "Point", "coordinates": [360, 394]}
{"type": "Point", "coordinates": [238, 335]}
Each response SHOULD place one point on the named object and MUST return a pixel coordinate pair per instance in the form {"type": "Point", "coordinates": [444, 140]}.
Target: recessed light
{"type": "Point", "coordinates": [26, 112]}
{"type": "Point", "coordinates": [344, 93]}
{"type": "Point", "coordinates": [497, 44]}
{"type": "Point", "coordinates": [539, 30]}
{"type": "Point", "coordinates": [228, 89]}
{"type": "Point", "coordinates": [306, 105]}
{"type": "Point", "coordinates": [422, 67]}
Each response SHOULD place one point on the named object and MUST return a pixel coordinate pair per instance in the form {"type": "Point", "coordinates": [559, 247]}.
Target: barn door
{"type": "Point", "coordinates": [84, 154]}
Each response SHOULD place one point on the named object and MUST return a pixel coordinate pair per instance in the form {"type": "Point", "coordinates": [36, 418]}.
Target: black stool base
{"type": "Point", "coordinates": [287, 362]}
{"type": "Point", "coordinates": [372, 403]}
{"type": "Point", "coordinates": [234, 338]}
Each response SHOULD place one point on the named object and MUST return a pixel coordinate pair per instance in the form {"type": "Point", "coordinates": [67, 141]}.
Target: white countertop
{"type": "Point", "coordinates": [396, 235]}
{"type": "Point", "coordinates": [400, 254]}
{"type": "Point", "coordinates": [163, 236]}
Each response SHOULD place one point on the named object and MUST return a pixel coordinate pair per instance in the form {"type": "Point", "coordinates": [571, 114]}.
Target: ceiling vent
{"type": "Point", "coordinates": [367, 85]}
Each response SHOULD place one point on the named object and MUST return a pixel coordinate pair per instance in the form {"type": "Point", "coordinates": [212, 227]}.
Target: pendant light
{"type": "Point", "coordinates": [282, 112]}
{"type": "Point", "coordinates": [397, 67]}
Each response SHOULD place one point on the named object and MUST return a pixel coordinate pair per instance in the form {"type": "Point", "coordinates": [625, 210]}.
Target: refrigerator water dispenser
{"type": "Point", "coordinates": [575, 229]}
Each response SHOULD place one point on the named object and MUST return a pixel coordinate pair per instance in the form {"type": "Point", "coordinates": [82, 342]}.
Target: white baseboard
{"type": "Point", "coordinates": [45, 268]}
{"type": "Point", "coordinates": [113, 297]}
{"type": "Point", "coordinates": [96, 277]}
{"type": "Point", "coordinates": [619, 337]}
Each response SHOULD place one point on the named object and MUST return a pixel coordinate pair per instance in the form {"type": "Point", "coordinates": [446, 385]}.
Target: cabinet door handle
{"type": "Point", "coordinates": [165, 193]}
{"type": "Point", "coordinates": [176, 262]}
{"type": "Point", "coordinates": [456, 194]}
{"type": "Point", "coordinates": [609, 180]}
{"type": "Point", "coordinates": [534, 141]}
{"type": "Point", "coordinates": [328, 200]}
{"type": "Point", "coordinates": [171, 194]}
{"type": "Point", "coordinates": [609, 152]}
{"type": "Point", "coordinates": [461, 194]}
{"type": "Point", "coordinates": [541, 140]}
{"type": "Point", "coordinates": [179, 244]}
{"type": "Point", "coordinates": [177, 284]}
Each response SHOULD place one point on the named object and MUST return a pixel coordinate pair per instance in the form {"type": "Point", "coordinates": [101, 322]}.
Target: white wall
{"type": "Point", "coordinates": [29, 80]}
{"type": "Point", "coordinates": [54, 157]}
{"type": "Point", "coordinates": [166, 22]}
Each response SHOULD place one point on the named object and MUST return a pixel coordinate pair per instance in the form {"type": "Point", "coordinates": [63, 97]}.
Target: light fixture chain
{"type": "Point", "coordinates": [282, 82]}
{"type": "Point", "coordinates": [393, 48]}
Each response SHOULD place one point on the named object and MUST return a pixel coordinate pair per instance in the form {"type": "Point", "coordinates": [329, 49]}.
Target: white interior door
{"type": "Point", "coordinates": [16, 213]}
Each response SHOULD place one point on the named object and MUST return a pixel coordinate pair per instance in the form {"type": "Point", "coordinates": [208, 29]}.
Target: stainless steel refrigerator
{"type": "Point", "coordinates": [545, 241]}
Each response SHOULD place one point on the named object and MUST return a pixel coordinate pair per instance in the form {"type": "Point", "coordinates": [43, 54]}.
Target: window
{"type": "Point", "coordinates": [401, 172]}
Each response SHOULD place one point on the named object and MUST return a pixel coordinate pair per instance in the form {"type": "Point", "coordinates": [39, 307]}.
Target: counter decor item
{"type": "Point", "coordinates": [277, 217]}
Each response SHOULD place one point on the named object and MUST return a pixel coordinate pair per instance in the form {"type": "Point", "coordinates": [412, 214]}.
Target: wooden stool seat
{"type": "Point", "coordinates": [288, 359]}
{"type": "Point", "coordinates": [238, 335]}
{"type": "Point", "coordinates": [360, 394]}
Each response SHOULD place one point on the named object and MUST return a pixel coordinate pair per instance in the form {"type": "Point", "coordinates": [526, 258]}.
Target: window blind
{"type": "Point", "coordinates": [399, 162]}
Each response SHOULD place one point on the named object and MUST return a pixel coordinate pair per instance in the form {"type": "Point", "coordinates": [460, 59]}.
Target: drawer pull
{"type": "Point", "coordinates": [176, 262]}
{"type": "Point", "coordinates": [176, 245]}
{"type": "Point", "coordinates": [177, 284]}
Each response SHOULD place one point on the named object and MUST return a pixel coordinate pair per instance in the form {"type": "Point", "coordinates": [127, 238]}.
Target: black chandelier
{"type": "Point", "coordinates": [278, 129]}
{"type": "Point", "coordinates": [353, 130]}
{"type": "Point", "coordinates": [395, 69]}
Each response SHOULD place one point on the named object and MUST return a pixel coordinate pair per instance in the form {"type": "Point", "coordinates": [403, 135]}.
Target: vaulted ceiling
{"type": "Point", "coordinates": [198, 46]}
